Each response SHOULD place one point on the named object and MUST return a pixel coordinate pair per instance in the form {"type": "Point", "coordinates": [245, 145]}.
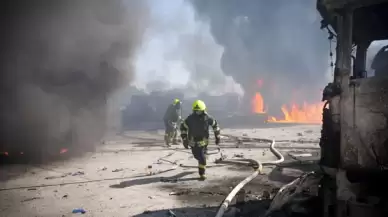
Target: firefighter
{"type": "Point", "coordinates": [171, 119]}
{"type": "Point", "coordinates": [195, 134]}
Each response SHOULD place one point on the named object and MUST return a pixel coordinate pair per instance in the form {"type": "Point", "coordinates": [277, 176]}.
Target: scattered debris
{"type": "Point", "coordinates": [239, 155]}
{"type": "Point", "coordinates": [171, 214]}
{"type": "Point", "coordinates": [82, 211]}
{"type": "Point", "coordinates": [78, 173]}
{"type": "Point", "coordinates": [266, 195]}
{"type": "Point", "coordinates": [32, 198]}
{"type": "Point", "coordinates": [299, 134]}
{"type": "Point", "coordinates": [57, 177]}
{"type": "Point", "coordinates": [295, 155]}
{"type": "Point", "coordinates": [31, 189]}
{"type": "Point", "coordinates": [149, 170]}
{"type": "Point", "coordinates": [274, 191]}
{"type": "Point", "coordinates": [180, 193]}
{"type": "Point", "coordinates": [244, 134]}
{"type": "Point", "coordinates": [102, 169]}
{"type": "Point", "coordinates": [65, 196]}
{"type": "Point", "coordinates": [171, 162]}
{"type": "Point", "coordinates": [117, 170]}
{"type": "Point", "coordinates": [150, 197]}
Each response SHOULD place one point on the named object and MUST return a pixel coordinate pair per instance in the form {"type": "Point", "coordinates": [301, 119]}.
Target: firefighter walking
{"type": "Point", "coordinates": [171, 119]}
{"type": "Point", "coordinates": [195, 134]}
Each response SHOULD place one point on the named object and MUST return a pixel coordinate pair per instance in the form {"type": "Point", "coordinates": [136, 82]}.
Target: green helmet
{"type": "Point", "coordinates": [199, 105]}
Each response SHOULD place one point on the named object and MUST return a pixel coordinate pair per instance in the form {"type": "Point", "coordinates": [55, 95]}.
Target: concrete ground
{"type": "Point", "coordinates": [133, 174]}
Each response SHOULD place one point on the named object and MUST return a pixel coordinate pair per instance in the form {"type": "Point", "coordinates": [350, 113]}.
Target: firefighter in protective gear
{"type": "Point", "coordinates": [195, 134]}
{"type": "Point", "coordinates": [171, 119]}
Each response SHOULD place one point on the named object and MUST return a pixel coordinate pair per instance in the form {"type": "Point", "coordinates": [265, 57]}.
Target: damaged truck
{"type": "Point", "coordinates": [354, 140]}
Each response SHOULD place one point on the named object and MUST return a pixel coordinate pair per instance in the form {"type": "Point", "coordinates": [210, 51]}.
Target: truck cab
{"type": "Point", "coordinates": [354, 141]}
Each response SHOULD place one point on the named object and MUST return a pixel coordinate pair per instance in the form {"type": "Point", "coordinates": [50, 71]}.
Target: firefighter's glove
{"type": "Point", "coordinates": [218, 140]}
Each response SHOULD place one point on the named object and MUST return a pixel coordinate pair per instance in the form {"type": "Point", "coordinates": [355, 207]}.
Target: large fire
{"type": "Point", "coordinates": [307, 113]}
{"type": "Point", "coordinates": [293, 113]}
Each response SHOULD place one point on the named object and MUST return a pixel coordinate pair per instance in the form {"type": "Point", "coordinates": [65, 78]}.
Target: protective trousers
{"type": "Point", "coordinates": [170, 132]}
{"type": "Point", "coordinates": [199, 153]}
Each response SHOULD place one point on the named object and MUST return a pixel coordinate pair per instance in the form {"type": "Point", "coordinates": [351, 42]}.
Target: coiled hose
{"type": "Point", "coordinates": [258, 167]}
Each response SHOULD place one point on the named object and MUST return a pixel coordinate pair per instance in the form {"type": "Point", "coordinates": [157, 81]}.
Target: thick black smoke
{"type": "Point", "coordinates": [277, 41]}
{"type": "Point", "coordinates": [59, 63]}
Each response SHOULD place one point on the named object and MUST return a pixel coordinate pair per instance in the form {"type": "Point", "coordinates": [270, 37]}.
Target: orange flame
{"type": "Point", "coordinates": [308, 113]}
{"type": "Point", "coordinates": [63, 150]}
{"type": "Point", "coordinates": [258, 104]}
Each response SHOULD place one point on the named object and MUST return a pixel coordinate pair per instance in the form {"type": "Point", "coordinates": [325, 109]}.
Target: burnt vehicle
{"type": "Point", "coordinates": [354, 137]}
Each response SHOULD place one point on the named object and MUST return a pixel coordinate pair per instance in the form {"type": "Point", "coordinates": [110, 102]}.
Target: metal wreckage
{"type": "Point", "coordinates": [353, 176]}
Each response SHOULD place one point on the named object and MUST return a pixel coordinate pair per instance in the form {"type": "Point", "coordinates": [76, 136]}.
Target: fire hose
{"type": "Point", "coordinates": [255, 164]}
{"type": "Point", "coordinates": [258, 167]}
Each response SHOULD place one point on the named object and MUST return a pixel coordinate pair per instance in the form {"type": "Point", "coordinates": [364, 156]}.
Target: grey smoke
{"type": "Point", "coordinates": [60, 61]}
{"type": "Point", "coordinates": [278, 41]}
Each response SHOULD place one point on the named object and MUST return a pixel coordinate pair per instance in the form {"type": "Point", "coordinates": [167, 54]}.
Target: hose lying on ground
{"type": "Point", "coordinates": [258, 166]}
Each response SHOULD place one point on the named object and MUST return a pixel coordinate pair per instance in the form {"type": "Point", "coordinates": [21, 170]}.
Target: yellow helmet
{"type": "Point", "coordinates": [199, 105]}
{"type": "Point", "coordinates": [176, 101]}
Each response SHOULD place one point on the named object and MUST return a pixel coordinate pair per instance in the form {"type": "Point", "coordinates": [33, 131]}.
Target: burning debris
{"type": "Point", "coordinates": [60, 62]}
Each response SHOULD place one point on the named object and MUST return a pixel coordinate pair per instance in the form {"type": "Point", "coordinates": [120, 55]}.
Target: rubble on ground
{"type": "Point", "coordinates": [129, 181]}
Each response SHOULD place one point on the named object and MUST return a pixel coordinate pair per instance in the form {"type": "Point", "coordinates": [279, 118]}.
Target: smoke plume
{"type": "Point", "coordinates": [60, 61]}
{"type": "Point", "coordinates": [278, 42]}
{"type": "Point", "coordinates": [180, 52]}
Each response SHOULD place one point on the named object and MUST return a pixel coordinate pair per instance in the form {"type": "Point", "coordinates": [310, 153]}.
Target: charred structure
{"type": "Point", "coordinates": [354, 135]}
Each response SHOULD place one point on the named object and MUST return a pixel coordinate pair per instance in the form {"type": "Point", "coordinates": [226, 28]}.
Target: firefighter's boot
{"type": "Point", "coordinates": [201, 171]}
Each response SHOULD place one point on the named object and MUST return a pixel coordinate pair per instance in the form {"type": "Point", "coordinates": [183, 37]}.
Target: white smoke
{"type": "Point", "coordinates": [179, 52]}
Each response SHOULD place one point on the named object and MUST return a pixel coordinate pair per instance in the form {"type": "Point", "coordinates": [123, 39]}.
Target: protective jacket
{"type": "Point", "coordinates": [172, 114]}
{"type": "Point", "coordinates": [195, 128]}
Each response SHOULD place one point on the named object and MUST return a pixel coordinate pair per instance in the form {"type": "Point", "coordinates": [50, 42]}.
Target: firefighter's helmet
{"type": "Point", "coordinates": [199, 105]}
